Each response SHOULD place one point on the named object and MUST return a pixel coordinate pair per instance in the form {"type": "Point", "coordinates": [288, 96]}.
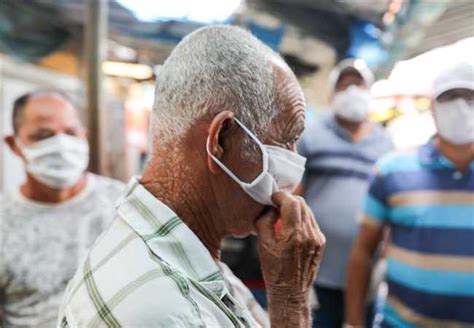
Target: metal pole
{"type": "Point", "coordinates": [95, 29]}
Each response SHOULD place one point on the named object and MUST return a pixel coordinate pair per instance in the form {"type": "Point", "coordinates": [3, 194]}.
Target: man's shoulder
{"type": "Point", "coordinates": [104, 182]}
{"type": "Point", "coordinates": [10, 202]}
{"type": "Point", "coordinates": [151, 299]}
{"type": "Point", "coordinates": [318, 124]}
{"type": "Point", "coordinates": [317, 135]}
{"type": "Point", "coordinates": [122, 275]}
{"type": "Point", "coordinates": [399, 161]}
{"type": "Point", "coordinates": [107, 187]}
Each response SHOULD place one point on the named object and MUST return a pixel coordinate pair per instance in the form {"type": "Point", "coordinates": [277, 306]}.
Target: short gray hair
{"type": "Point", "coordinates": [212, 69]}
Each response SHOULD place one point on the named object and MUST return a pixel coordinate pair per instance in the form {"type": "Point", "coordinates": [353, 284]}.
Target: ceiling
{"type": "Point", "coordinates": [456, 23]}
{"type": "Point", "coordinates": [32, 29]}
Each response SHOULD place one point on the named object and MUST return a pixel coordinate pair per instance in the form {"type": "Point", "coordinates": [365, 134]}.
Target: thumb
{"type": "Point", "coordinates": [265, 226]}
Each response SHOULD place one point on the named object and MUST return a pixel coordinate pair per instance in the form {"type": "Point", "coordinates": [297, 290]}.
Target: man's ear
{"type": "Point", "coordinates": [10, 141]}
{"type": "Point", "coordinates": [219, 127]}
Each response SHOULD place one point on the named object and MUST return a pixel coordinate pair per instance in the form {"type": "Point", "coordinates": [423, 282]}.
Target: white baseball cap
{"type": "Point", "coordinates": [458, 76]}
{"type": "Point", "coordinates": [351, 64]}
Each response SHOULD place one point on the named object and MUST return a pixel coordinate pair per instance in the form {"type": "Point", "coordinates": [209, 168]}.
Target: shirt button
{"type": "Point", "coordinates": [457, 175]}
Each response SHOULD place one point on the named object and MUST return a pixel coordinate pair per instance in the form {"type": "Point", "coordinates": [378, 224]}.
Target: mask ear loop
{"type": "Point", "coordinates": [259, 144]}
{"type": "Point", "coordinates": [21, 146]}
{"type": "Point", "coordinates": [229, 172]}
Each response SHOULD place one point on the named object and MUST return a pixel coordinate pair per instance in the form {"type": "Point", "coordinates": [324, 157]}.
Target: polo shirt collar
{"type": "Point", "coordinates": [430, 155]}
{"type": "Point", "coordinates": [165, 233]}
{"type": "Point", "coordinates": [332, 124]}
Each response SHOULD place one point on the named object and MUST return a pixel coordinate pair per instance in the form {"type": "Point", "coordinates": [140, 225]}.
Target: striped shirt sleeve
{"type": "Point", "coordinates": [376, 207]}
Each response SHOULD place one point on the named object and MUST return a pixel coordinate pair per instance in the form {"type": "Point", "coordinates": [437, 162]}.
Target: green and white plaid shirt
{"type": "Point", "coordinates": [150, 270]}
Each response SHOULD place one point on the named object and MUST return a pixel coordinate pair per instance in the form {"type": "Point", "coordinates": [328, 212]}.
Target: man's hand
{"type": "Point", "coordinates": [289, 259]}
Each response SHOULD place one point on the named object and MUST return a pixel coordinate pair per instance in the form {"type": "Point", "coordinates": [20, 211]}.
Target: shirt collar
{"type": "Point", "coordinates": [429, 154]}
{"type": "Point", "coordinates": [165, 233]}
{"type": "Point", "coordinates": [332, 124]}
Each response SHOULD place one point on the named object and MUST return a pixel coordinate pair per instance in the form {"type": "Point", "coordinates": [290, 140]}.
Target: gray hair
{"type": "Point", "coordinates": [212, 69]}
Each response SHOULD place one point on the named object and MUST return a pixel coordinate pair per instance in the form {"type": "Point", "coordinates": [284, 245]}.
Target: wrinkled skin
{"type": "Point", "coordinates": [290, 258]}
{"type": "Point", "coordinates": [213, 206]}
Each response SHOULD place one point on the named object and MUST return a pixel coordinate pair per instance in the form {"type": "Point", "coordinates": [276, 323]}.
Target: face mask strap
{"type": "Point", "coordinates": [229, 172]}
{"type": "Point", "coordinates": [19, 143]}
{"type": "Point", "coordinates": [22, 147]}
{"type": "Point", "coordinates": [259, 144]}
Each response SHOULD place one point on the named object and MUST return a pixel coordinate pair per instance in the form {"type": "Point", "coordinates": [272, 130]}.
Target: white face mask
{"type": "Point", "coordinates": [455, 121]}
{"type": "Point", "coordinates": [352, 103]}
{"type": "Point", "coordinates": [58, 161]}
{"type": "Point", "coordinates": [282, 171]}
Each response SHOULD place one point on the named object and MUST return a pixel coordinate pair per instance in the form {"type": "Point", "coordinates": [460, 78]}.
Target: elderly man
{"type": "Point", "coordinates": [55, 216]}
{"type": "Point", "coordinates": [426, 197]}
{"type": "Point", "coordinates": [341, 150]}
{"type": "Point", "coordinates": [227, 114]}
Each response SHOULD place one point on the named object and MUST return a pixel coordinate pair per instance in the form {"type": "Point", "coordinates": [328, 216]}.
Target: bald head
{"type": "Point", "coordinates": [21, 103]}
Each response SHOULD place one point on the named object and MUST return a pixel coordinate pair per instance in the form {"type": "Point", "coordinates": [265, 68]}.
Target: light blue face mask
{"type": "Point", "coordinates": [282, 171]}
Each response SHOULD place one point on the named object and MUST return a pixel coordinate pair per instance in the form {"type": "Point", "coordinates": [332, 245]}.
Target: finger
{"type": "Point", "coordinates": [308, 224]}
{"type": "Point", "coordinates": [279, 198]}
{"type": "Point", "coordinates": [290, 212]}
{"type": "Point", "coordinates": [305, 218]}
{"type": "Point", "coordinates": [310, 251]}
{"type": "Point", "coordinates": [265, 226]}
{"type": "Point", "coordinates": [314, 223]}
{"type": "Point", "coordinates": [311, 214]}
{"type": "Point", "coordinates": [314, 249]}
{"type": "Point", "coordinates": [316, 239]}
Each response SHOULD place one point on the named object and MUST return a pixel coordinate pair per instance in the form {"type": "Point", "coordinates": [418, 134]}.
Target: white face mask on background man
{"type": "Point", "coordinates": [282, 171]}
{"type": "Point", "coordinates": [58, 161]}
{"type": "Point", "coordinates": [455, 120]}
{"type": "Point", "coordinates": [352, 103]}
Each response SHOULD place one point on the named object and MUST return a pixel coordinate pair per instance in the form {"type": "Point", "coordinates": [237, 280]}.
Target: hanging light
{"type": "Point", "coordinates": [129, 70]}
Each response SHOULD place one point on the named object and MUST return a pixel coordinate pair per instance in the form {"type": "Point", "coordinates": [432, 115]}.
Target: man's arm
{"type": "Point", "coordinates": [289, 259]}
{"type": "Point", "coordinates": [359, 270]}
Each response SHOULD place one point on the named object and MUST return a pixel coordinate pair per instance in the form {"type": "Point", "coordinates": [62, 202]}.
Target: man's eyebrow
{"type": "Point", "coordinates": [295, 128]}
{"type": "Point", "coordinates": [41, 130]}
{"type": "Point", "coordinates": [299, 129]}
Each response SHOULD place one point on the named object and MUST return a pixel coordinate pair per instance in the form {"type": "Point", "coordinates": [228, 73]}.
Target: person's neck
{"type": "Point", "coordinates": [460, 155]}
{"type": "Point", "coordinates": [39, 192]}
{"type": "Point", "coordinates": [161, 178]}
{"type": "Point", "coordinates": [357, 130]}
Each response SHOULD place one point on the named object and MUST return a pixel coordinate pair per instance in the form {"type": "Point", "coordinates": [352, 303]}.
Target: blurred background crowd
{"type": "Point", "coordinates": [367, 70]}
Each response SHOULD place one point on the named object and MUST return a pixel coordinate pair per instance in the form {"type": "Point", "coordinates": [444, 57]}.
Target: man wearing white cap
{"type": "Point", "coordinates": [340, 150]}
{"type": "Point", "coordinates": [426, 197]}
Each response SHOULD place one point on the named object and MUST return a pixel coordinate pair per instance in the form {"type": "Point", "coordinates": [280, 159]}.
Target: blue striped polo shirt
{"type": "Point", "coordinates": [429, 206]}
{"type": "Point", "coordinates": [335, 184]}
